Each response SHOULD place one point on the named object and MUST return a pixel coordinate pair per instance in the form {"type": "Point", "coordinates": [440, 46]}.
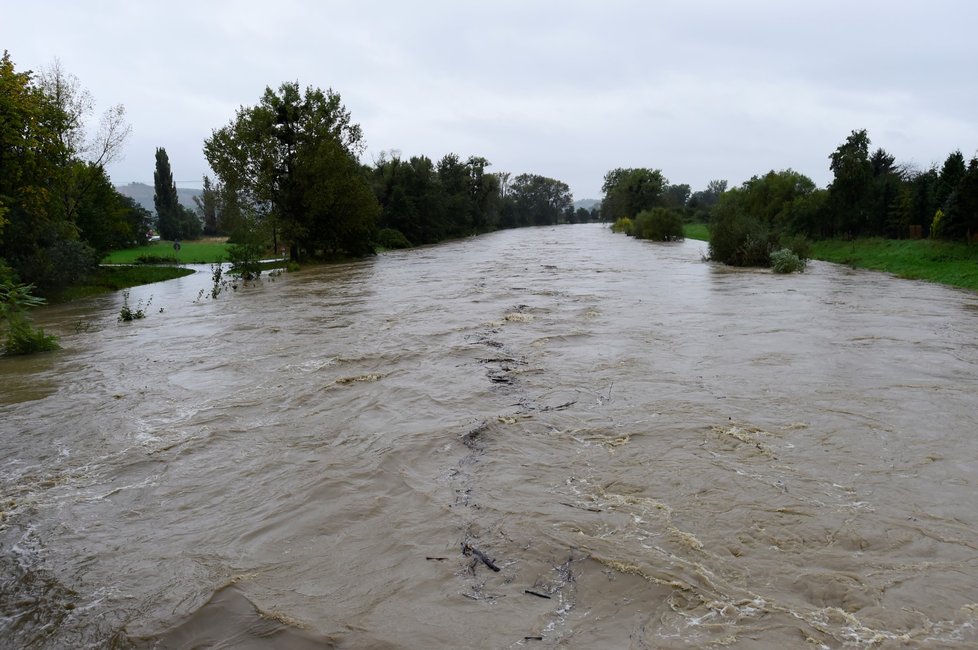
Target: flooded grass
{"type": "Point", "coordinates": [113, 278]}
{"type": "Point", "coordinates": [951, 263]}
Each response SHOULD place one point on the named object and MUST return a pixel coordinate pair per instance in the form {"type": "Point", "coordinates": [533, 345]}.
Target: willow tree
{"type": "Point", "coordinates": [291, 163]}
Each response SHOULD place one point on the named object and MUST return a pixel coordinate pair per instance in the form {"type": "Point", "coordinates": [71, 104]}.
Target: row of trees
{"type": "Point", "coordinates": [58, 210]}
{"type": "Point", "coordinates": [288, 171]}
{"type": "Point", "coordinates": [870, 195]}
{"type": "Point", "coordinates": [427, 202]}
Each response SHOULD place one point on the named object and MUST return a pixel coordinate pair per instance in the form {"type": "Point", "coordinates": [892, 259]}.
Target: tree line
{"type": "Point", "coordinates": [870, 195]}
{"type": "Point", "coordinates": [287, 173]}
{"type": "Point", "coordinates": [59, 212]}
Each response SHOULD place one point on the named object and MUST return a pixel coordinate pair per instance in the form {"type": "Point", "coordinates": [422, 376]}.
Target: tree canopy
{"type": "Point", "coordinates": [57, 207]}
{"type": "Point", "coordinates": [289, 164]}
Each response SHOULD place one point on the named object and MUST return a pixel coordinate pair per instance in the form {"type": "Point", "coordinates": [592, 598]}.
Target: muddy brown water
{"type": "Point", "coordinates": [653, 451]}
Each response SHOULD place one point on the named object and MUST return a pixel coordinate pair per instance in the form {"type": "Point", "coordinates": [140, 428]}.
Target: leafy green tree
{"type": "Point", "coordinates": [702, 202]}
{"type": "Point", "coordinates": [849, 190]}
{"type": "Point", "coordinates": [629, 191]}
{"type": "Point", "coordinates": [750, 221]}
{"type": "Point", "coordinates": [291, 161]}
{"type": "Point", "coordinates": [658, 224]}
{"type": "Point", "coordinates": [537, 201]}
{"type": "Point", "coordinates": [207, 207]}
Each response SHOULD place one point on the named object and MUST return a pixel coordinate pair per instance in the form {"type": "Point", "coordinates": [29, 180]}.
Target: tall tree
{"type": "Point", "coordinates": [168, 213]}
{"type": "Point", "coordinates": [207, 207]}
{"type": "Point", "coordinates": [848, 192]}
{"type": "Point", "coordinates": [291, 163]}
{"type": "Point", "coordinates": [630, 191]}
{"type": "Point", "coordinates": [73, 107]}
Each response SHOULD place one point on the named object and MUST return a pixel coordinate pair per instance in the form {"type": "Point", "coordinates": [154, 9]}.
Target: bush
{"type": "Point", "coordinates": [24, 339]}
{"type": "Point", "coordinates": [15, 300]}
{"type": "Point", "coordinates": [658, 224]}
{"type": "Point", "coordinates": [624, 224]}
{"type": "Point", "coordinates": [390, 239]}
{"type": "Point", "coordinates": [799, 245]}
{"type": "Point", "coordinates": [128, 314]}
{"type": "Point", "coordinates": [786, 261]}
{"type": "Point", "coordinates": [739, 240]}
{"type": "Point", "coordinates": [157, 259]}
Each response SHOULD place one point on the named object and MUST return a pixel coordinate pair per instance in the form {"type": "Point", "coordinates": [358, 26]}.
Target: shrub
{"type": "Point", "coordinates": [15, 300]}
{"type": "Point", "coordinates": [624, 224]}
{"type": "Point", "coordinates": [390, 238]}
{"type": "Point", "coordinates": [658, 224]}
{"type": "Point", "coordinates": [786, 261]}
{"type": "Point", "coordinates": [24, 339]}
{"type": "Point", "coordinates": [739, 240]}
{"type": "Point", "coordinates": [157, 259]}
{"type": "Point", "coordinates": [127, 313]}
{"type": "Point", "coordinates": [245, 260]}
{"type": "Point", "coordinates": [799, 245]}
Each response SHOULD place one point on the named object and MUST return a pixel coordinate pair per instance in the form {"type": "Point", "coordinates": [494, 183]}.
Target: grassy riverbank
{"type": "Point", "coordinates": [113, 278]}
{"type": "Point", "coordinates": [950, 263]}
{"type": "Point", "coordinates": [698, 231]}
{"type": "Point", "coordinates": [202, 251]}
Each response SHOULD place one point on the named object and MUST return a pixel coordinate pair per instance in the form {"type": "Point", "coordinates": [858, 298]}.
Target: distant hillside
{"type": "Point", "coordinates": [142, 194]}
{"type": "Point", "coordinates": [587, 204]}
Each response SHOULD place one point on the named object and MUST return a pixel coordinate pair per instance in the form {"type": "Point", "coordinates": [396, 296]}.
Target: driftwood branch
{"type": "Point", "coordinates": [471, 550]}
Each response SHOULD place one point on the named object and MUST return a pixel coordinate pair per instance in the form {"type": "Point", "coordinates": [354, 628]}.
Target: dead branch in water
{"type": "Point", "coordinates": [471, 550]}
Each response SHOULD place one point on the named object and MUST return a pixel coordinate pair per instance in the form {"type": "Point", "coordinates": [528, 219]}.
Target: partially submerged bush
{"type": "Point", "coordinates": [739, 241]}
{"type": "Point", "coordinates": [15, 299]}
{"type": "Point", "coordinates": [623, 224]}
{"type": "Point", "coordinates": [390, 238]}
{"type": "Point", "coordinates": [786, 261]}
{"type": "Point", "coordinates": [128, 314]}
{"type": "Point", "coordinates": [658, 224]}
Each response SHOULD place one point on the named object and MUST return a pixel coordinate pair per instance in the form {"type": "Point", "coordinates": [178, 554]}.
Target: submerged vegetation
{"type": "Point", "coordinates": [16, 332]}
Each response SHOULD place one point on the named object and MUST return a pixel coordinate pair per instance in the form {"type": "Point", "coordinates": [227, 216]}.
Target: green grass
{"type": "Point", "coordinates": [696, 231]}
{"type": "Point", "coordinates": [204, 251]}
{"type": "Point", "coordinates": [113, 278]}
{"type": "Point", "coordinates": [950, 263]}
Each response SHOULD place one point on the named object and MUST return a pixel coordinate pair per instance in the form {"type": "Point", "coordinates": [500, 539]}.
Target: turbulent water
{"type": "Point", "coordinates": [554, 437]}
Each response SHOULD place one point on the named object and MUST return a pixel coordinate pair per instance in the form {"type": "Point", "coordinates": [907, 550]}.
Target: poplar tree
{"type": "Point", "coordinates": [165, 201]}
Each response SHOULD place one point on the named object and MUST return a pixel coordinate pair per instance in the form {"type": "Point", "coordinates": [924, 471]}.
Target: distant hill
{"type": "Point", "coordinates": [587, 204]}
{"type": "Point", "coordinates": [142, 194]}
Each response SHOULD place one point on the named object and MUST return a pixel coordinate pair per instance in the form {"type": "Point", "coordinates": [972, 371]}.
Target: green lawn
{"type": "Point", "coordinates": [696, 231]}
{"type": "Point", "coordinates": [951, 263]}
{"type": "Point", "coordinates": [204, 251]}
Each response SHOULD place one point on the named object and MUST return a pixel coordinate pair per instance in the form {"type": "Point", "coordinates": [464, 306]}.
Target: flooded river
{"type": "Point", "coordinates": [539, 438]}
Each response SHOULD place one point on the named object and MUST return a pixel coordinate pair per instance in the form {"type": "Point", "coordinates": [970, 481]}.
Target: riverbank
{"type": "Point", "coordinates": [113, 278]}
{"type": "Point", "coordinates": [952, 263]}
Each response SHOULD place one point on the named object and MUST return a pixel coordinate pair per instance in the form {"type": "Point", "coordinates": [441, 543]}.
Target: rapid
{"type": "Point", "coordinates": [537, 438]}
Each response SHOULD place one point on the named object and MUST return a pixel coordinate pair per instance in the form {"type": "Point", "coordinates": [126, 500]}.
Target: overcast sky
{"type": "Point", "coordinates": [701, 90]}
